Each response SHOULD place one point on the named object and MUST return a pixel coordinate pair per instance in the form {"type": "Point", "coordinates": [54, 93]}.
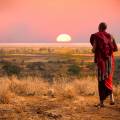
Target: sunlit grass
{"type": "Point", "coordinates": [58, 89]}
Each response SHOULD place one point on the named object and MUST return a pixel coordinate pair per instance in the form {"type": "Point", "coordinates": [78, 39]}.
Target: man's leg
{"type": "Point", "coordinates": [100, 81]}
{"type": "Point", "coordinates": [112, 101]}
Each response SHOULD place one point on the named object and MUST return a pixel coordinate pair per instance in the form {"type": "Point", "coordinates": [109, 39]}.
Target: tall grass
{"type": "Point", "coordinates": [38, 87]}
{"type": "Point", "coordinates": [4, 91]}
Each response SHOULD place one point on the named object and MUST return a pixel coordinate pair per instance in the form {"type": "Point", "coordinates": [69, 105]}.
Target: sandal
{"type": "Point", "coordinates": [112, 103]}
{"type": "Point", "coordinates": [100, 105]}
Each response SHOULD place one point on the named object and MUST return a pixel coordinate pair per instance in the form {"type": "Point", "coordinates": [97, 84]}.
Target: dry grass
{"type": "Point", "coordinates": [4, 91]}
{"type": "Point", "coordinates": [116, 90]}
{"type": "Point", "coordinates": [38, 100]}
{"type": "Point", "coordinates": [84, 87]}
{"type": "Point", "coordinates": [36, 87]}
{"type": "Point", "coordinates": [28, 87]}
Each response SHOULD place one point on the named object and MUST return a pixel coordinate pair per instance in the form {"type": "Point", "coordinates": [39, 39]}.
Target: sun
{"type": "Point", "coordinates": [63, 38]}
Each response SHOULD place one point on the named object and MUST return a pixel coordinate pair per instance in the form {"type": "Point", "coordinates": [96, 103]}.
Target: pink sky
{"type": "Point", "coordinates": [43, 20]}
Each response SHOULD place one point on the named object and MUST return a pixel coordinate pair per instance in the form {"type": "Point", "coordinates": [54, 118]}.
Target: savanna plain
{"type": "Point", "coordinates": [53, 83]}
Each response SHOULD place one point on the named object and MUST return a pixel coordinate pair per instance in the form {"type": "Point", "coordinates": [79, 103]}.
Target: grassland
{"type": "Point", "coordinates": [49, 83]}
{"type": "Point", "coordinates": [50, 59]}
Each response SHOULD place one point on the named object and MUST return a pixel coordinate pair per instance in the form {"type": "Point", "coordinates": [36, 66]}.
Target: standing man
{"type": "Point", "coordinates": [103, 47]}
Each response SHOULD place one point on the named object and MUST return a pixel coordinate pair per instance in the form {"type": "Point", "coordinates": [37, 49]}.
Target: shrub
{"type": "Point", "coordinates": [74, 69]}
{"type": "Point", "coordinates": [36, 66]}
{"type": "Point", "coordinates": [11, 69]}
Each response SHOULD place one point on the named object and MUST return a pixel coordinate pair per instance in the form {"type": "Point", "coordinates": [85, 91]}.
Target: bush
{"type": "Point", "coordinates": [74, 69]}
{"type": "Point", "coordinates": [36, 66]}
{"type": "Point", "coordinates": [11, 69]}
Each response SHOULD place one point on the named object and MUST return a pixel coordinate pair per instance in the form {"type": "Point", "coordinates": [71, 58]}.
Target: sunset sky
{"type": "Point", "coordinates": [37, 21]}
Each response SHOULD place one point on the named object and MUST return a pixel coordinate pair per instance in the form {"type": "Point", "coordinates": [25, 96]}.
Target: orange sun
{"type": "Point", "coordinates": [63, 38]}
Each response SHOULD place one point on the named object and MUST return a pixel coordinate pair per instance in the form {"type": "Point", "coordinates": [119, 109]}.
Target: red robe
{"type": "Point", "coordinates": [106, 87]}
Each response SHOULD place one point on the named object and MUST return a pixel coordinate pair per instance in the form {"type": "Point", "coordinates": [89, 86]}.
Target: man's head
{"type": "Point", "coordinates": [102, 26]}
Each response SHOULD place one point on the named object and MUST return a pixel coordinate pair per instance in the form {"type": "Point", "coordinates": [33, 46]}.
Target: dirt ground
{"type": "Point", "coordinates": [51, 108]}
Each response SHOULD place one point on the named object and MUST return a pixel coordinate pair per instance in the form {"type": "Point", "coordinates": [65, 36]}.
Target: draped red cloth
{"type": "Point", "coordinates": [108, 81]}
{"type": "Point", "coordinates": [105, 85]}
{"type": "Point", "coordinates": [97, 38]}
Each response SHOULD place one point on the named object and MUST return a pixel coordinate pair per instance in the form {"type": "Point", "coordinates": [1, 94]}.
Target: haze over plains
{"type": "Point", "coordinates": [41, 21]}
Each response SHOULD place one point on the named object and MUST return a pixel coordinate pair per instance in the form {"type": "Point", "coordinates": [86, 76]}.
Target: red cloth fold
{"type": "Point", "coordinates": [108, 81]}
